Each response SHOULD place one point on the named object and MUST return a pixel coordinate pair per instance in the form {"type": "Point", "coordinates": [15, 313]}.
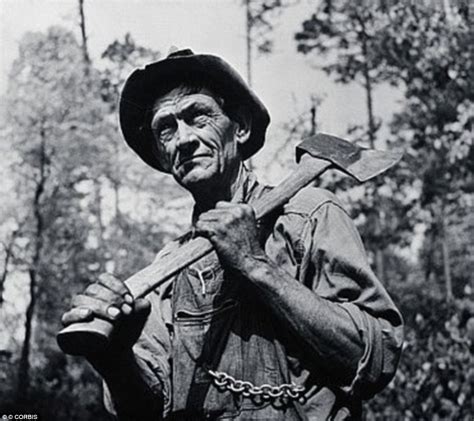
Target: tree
{"type": "Point", "coordinates": [430, 53]}
{"type": "Point", "coordinates": [259, 24]}
{"type": "Point", "coordinates": [64, 137]}
{"type": "Point", "coordinates": [345, 33]}
{"type": "Point", "coordinates": [129, 177]}
{"type": "Point", "coordinates": [82, 25]}
{"type": "Point", "coordinates": [54, 122]}
{"type": "Point", "coordinates": [426, 50]}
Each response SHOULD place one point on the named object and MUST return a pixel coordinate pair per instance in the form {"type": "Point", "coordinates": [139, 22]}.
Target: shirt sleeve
{"type": "Point", "coordinates": [323, 249]}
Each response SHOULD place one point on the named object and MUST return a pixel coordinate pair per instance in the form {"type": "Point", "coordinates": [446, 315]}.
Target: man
{"type": "Point", "coordinates": [284, 321]}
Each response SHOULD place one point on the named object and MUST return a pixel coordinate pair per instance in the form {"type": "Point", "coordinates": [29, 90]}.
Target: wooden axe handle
{"type": "Point", "coordinates": [90, 337]}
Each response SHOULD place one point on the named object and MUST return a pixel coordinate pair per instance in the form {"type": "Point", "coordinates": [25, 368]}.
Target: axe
{"type": "Point", "coordinates": [315, 155]}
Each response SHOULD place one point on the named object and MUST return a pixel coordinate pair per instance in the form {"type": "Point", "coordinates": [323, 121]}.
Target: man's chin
{"type": "Point", "coordinates": [195, 178]}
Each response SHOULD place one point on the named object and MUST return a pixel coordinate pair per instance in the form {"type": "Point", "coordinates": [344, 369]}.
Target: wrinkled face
{"type": "Point", "coordinates": [196, 141]}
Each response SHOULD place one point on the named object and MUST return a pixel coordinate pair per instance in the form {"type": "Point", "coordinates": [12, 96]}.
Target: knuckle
{"type": "Point", "coordinates": [108, 279]}
{"type": "Point", "coordinates": [103, 277]}
{"type": "Point", "coordinates": [228, 217]}
{"type": "Point", "coordinates": [77, 300]}
{"type": "Point", "coordinates": [239, 211]}
{"type": "Point", "coordinates": [93, 289]}
{"type": "Point", "coordinates": [65, 318]}
{"type": "Point", "coordinates": [248, 210]}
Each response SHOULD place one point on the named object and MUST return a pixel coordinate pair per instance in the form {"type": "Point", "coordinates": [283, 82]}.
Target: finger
{"type": "Point", "coordinates": [128, 298]}
{"type": "Point", "coordinates": [100, 308]}
{"type": "Point", "coordinates": [213, 215]}
{"type": "Point", "coordinates": [103, 293]}
{"type": "Point", "coordinates": [230, 206]}
{"type": "Point", "coordinates": [223, 205]}
{"type": "Point", "coordinates": [76, 315]}
{"type": "Point", "coordinates": [142, 309]}
{"type": "Point", "coordinates": [112, 283]}
{"type": "Point", "coordinates": [126, 309]}
{"type": "Point", "coordinates": [140, 314]}
{"type": "Point", "coordinates": [229, 212]}
{"type": "Point", "coordinates": [248, 209]}
{"type": "Point", "coordinates": [142, 306]}
{"type": "Point", "coordinates": [204, 229]}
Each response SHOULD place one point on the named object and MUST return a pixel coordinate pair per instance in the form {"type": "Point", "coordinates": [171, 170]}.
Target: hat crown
{"type": "Point", "coordinates": [180, 53]}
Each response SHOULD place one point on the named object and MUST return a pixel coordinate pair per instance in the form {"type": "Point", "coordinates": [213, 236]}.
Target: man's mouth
{"type": "Point", "coordinates": [186, 159]}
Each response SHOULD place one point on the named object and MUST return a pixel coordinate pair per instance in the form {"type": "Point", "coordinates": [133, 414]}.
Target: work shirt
{"type": "Point", "coordinates": [214, 350]}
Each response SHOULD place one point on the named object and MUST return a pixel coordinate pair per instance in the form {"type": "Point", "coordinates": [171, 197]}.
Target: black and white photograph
{"type": "Point", "coordinates": [237, 210]}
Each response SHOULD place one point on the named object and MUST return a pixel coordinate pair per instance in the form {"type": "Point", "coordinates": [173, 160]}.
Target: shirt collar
{"type": "Point", "coordinates": [246, 188]}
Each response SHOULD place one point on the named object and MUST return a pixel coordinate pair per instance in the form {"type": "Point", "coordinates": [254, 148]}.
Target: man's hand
{"type": "Point", "coordinates": [110, 299]}
{"type": "Point", "coordinates": [232, 229]}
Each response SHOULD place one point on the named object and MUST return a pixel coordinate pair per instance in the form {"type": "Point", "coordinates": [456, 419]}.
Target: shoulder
{"type": "Point", "coordinates": [308, 201]}
{"type": "Point", "coordinates": [310, 207]}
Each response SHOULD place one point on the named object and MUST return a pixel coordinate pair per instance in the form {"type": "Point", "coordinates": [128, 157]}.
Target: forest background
{"type": "Point", "coordinates": [77, 202]}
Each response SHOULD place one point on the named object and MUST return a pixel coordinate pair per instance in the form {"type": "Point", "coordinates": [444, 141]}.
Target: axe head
{"type": "Point", "coordinates": [360, 163]}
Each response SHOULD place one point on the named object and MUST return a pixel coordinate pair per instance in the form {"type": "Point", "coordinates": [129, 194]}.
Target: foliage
{"type": "Point", "coordinates": [430, 54]}
{"type": "Point", "coordinates": [435, 379]}
{"type": "Point", "coordinates": [119, 59]}
{"type": "Point", "coordinates": [427, 53]}
{"type": "Point", "coordinates": [433, 56]}
{"type": "Point", "coordinates": [69, 218]}
{"type": "Point", "coordinates": [261, 16]}
{"type": "Point", "coordinates": [346, 32]}
{"type": "Point", "coordinates": [341, 38]}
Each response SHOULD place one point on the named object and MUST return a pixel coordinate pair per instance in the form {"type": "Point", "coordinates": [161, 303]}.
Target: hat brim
{"type": "Point", "coordinates": [144, 85]}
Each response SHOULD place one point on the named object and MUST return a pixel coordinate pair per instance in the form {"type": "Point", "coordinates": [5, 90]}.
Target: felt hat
{"type": "Point", "coordinates": [143, 86]}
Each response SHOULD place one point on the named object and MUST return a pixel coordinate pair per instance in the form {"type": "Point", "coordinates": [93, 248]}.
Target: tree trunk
{"type": "Point", "coordinates": [6, 261]}
{"type": "Point", "coordinates": [313, 119]}
{"type": "Point", "coordinates": [82, 23]}
{"type": "Point", "coordinates": [248, 39]}
{"type": "Point", "coordinates": [118, 212]}
{"type": "Point", "coordinates": [100, 223]}
{"type": "Point", "coordinates": [24, 363]}
{"type": "Point", "coordinates": [429, 258]}
{"type": "Point", "coordinates": [370, 103]}
{"type": "Point", "coordinates": [446, 258]}
{"type": "Point", "coordinates": [379, 249]}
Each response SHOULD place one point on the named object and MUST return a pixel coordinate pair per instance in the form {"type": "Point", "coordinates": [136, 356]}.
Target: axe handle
{"type": "Point", "coordinates": [86, 338]}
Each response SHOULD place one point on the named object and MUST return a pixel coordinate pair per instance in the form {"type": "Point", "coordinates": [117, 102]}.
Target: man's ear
{"type": "Point", "coordinates": [243, 121]}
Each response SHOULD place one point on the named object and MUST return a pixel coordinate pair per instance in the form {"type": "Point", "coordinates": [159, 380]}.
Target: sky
{"type": "Point", "coordinates": [284, 80]}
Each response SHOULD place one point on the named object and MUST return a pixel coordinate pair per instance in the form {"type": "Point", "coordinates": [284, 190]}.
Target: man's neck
{"type": "Point", "coordinates": [207, 197]}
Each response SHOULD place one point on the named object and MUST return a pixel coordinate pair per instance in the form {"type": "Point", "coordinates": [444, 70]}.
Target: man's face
{"type": "Point", "coordinates": [196, 140]}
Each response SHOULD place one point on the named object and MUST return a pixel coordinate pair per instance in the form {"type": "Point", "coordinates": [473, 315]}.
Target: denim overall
{"type": "Point", "coordinates": [219, 324]}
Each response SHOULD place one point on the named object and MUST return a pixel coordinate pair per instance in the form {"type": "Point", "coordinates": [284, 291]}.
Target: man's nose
{"type": "Point", "coordinates": [187, 139]}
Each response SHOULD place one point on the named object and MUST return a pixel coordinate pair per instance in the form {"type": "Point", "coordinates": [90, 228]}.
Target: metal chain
{"type": "Point", "coordinates": [266, 392]}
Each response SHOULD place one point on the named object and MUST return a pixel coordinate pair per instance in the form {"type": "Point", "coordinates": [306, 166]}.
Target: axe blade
{"type": "Point", "coordinates": [360, 163]}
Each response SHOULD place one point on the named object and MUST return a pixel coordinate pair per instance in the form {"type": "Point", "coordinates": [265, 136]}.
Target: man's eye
{"type": "Point", "coordinates": [165, 131]}
{"type": "Point", "coordinates": [166, 127]}
{"type": "Point", "coordinates": [199, 120]}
